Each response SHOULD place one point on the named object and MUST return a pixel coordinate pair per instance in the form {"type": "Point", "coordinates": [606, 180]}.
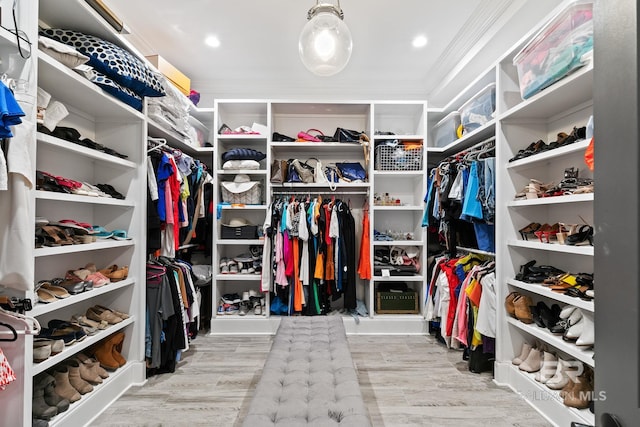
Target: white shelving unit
{"type": "Point", "coordinates": [558, 108]}
{"type": "Point", "coordinates": [100, 118]}
{"type": "Point", "coordinates": [405, 119]}
{"type": "Point", "coordinates": [103, 119]}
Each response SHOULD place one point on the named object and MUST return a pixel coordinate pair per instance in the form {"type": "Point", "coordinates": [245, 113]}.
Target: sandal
{"type": "Point", "coordinates": [45, 296]}
{"type": "Point", "coordinates": [56, 291]}
{"type": "Point", "coordinates": [57, 234]}
{"type": "Point", "coordinates": [584, 234]}
{"type": "Point", "coordinates": [529, 229]}
{"type": "Point", "coordinates": [120, 235]}
{"type": "Point", "coordinates": [110, 190]}
{"type": "Point", "coordinates": [101, 233]}
{"type": "Point", "coordinates": [47, 182]}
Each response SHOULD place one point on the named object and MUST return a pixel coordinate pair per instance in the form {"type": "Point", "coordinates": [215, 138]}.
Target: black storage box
{"type": "Point", "coordinates": [397, 302]}
{"type": "Point", "coordinates": [239, 232]}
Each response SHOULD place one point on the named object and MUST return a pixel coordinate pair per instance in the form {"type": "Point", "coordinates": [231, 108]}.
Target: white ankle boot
{"type": "Point", "coordinates": [587, 336]}
{"type": "Point", "coordinates": [548, 368]}
{"type": "Point", "coordinates": [526, 348]}
{"type": "Point", "coordinates": [533, 362]}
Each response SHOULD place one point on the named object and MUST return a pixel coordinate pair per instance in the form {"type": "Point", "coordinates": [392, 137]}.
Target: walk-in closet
{"type": "Point", "coordinates": [340, 213]}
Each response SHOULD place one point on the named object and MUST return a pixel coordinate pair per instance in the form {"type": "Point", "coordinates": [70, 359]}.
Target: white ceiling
{"type": "Point", "coordinates": [258, 56]}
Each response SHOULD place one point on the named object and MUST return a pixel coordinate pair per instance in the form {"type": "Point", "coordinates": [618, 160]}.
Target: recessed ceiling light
{"type": "Point", "coordinates": [212, 41]}
{"type": "Point", "coordinates": [419, 41]}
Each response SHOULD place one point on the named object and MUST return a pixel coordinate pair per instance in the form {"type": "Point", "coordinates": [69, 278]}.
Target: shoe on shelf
{"type": "Point", "coordinates": [582, 236]}
{"type": "Point", "coordinates": [533, 362]}
{"type": "Point", "coordinates": [523, 305]}
{"type": "Point", "coordinates": [257, 309]}
{"type": "Point", "coordinates": [232, 309]}
{"type": "Point", "coordinates": [98, 315]}
{"type": "Point", "coordinates": [231, 299]}
{"type": "Point", "coordinates": [580, 394]}
{"type": "Point", "coordinates": [524, 352]}
{"type": "Point", "coordinates": [587, 336]}
{"type": "Point", "coordinates": [41, 350]}
{"type": "Point", "coordinates": [244, 308]}
{"type": "Point", "coordinates": [77, 380]}
{"type": "Point", "coordinates": [565, 369]}
{"type": "Point", "coordinates": [224, 266]}
{"type": "Point", "coordinates": [221, 308]}
{"type": "Point", "coordinates": [509, 303]}
{"type": "Point", "coordinates": [40, 409]}
{"type": "Point", "coordinates": [233, 267]}
{"type": "Point", "coordinates": [548, 368]}
{"type": "Point", "coordinates": [529, 230]}
{"type": "Point", "coordinates": [63, 387]}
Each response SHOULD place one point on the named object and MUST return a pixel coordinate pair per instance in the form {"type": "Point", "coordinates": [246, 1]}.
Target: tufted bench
{"type": "Point", "coordinates": [309, 378]}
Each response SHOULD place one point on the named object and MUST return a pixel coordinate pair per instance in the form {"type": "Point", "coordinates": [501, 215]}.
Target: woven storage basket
{"type": "Point", "coordinates": [249, 193]}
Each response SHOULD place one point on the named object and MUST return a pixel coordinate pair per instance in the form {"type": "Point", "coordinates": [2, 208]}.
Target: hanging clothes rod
{"type": "Point", "coordinates": [332, 193]}
{"type": "Point", "coordinates": [479, 145]}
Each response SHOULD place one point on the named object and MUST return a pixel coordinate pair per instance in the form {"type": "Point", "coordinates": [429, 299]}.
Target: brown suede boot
{"type": "Point", "coordinates": [93, 364]}
{"type": "Point", "coordinates": [75, 378]}
{"type": "Point", "coordinates": [86, 372]}
{"type": "Point", "coordinates": [104, 354]}
{"type": "Point", "coordinates": [117, 348]}
{"type": "Point", "coordinates": [53, 399]}
{"type": "Point", "coordinates": [63, 387]}
{"type": "Point", "coordinates": [39, 408]}
{"type": "Point", "coordinates": [582, 393]}
{"type": "Point", "coordinates": [523, 305]}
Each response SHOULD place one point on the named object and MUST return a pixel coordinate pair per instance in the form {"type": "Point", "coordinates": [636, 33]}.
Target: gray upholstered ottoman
{"type": "Point", "coordinates": [309, 378]}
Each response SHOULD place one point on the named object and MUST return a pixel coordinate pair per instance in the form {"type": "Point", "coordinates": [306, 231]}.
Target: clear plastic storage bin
{"type": "Point", "coordinates": [556, 50]}
{"type": "Point", "coordinates": [445, 131]}
{"type": "Point", "coordinates": [479, 110]}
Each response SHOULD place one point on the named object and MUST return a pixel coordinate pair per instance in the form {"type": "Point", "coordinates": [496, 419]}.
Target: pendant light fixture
{"type": "Point", "coordinates": [325, 41]}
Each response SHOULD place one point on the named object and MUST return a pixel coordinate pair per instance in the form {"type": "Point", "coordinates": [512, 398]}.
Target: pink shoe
{"type": "Point", "coordinates": [98, 279]}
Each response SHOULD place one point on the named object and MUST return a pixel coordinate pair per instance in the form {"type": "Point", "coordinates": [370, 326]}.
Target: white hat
{"type": "Point", "coordinates": [238, 222]}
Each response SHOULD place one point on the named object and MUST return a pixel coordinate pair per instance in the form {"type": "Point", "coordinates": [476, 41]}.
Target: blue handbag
{"type": "Point", "coordinates": [352, 171]}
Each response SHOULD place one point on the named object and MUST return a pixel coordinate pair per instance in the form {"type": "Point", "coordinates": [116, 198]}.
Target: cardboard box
{"type": "Point", "coordinates": [397, 302]}
{"type": "Point", "coordinates": [179, 80]}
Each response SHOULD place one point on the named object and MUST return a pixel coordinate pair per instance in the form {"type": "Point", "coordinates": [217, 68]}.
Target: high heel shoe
{"type": "Point", "coordinates": [584, 234]}
{"type": "Point", "coordinates": [529, 229]}
{"type": "Point", "coordinates": [548, 232]}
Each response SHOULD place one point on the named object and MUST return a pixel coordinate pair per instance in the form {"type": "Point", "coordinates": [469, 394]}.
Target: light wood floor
{"type": "Point", "coordinates": [405, 381]}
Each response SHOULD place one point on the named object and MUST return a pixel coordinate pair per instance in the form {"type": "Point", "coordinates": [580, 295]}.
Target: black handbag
{"type": "Point", "coordinates": [278, 137]}
{"type": "Point", "coordinates": [346, 135]}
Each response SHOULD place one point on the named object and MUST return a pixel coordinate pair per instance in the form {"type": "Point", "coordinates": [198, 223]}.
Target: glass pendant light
{"type": "Point", "coordinates": [325, 41]}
